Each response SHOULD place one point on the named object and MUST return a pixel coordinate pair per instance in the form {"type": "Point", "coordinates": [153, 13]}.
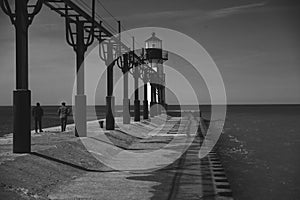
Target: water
{"type": "Point", "coordinates": [259, 149]}
{"type": "Point", "coordinates": [259, 113]}
{"type": "Point", "coordinates": [50, 118]}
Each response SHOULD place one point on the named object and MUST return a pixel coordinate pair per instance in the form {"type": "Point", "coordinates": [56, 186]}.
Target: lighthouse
{"type": "Point", "coordinates": [156, 56]}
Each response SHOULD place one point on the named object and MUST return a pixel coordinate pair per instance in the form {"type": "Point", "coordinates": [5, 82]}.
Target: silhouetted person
{"type": "Point", "coordinates": [37, 113]}
{"type": "Point", "coordinates": [63, 113]}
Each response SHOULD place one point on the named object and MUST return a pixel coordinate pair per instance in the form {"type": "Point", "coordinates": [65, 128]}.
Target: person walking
{"type": "Point", "coordinates": [63, 112]}
{"type": "Point", "coordinates": [37, 113]}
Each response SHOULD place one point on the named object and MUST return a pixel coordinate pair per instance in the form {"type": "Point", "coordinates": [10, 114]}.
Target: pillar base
{"type": "Point", "coordinates": [110, 110]}
{"type": "Point", "coordinates": [126, 114]}
{"type": "Point", "coordinates": [80, 116]}
{"type": "Point", "coordinates": [22, 121]}
{"type": "Point", "coordinates": [137, 110]}
{"type": "Point", "coordinates": [145, 110]}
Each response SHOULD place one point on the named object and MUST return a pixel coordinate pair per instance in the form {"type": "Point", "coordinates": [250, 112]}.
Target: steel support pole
{"type": "Point", "coordinates": [160, 87]}
{"type": "Point", "coordinates": [164, 93]}
{"type": "Point", "coordinates": [155, 105]}
{"type": "Point", "coordinates": [153, 110]}
{"type": "Point", "coordinates": [158, 105]}
{"type": "Point", "coordinates": [136, 88]}
{"type": "Point", "coordinates": [80, 97]}
{"type": "Point", "coordinates": [151, 100]}
{"type": "Point", "coordinates": [163, 90]}
{"type": "Point", "coordinates": [22, 95]}
{"type": "Point", "coordinates": [163, 96]}
{"type": "Point", "coordinates": [136, 95]}
{"type": "Point", "coordinates": [110, 100]}
{"type": "Point", "coordinates": [145, 102]}
{"type": "Point", "coordinates": [126, 114]}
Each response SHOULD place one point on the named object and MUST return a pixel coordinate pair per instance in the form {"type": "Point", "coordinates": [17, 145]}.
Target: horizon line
{"type": "Point", "coordinates": [234, 104]}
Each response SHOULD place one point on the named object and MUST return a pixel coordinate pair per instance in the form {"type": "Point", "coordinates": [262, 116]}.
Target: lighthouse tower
{"type": "Point", "coordinates": [156, 57]}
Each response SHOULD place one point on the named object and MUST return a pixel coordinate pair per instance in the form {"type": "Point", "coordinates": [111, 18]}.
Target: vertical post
{"type": "Point", "coordinates": [158, 105]}
{"type": "Point", "coordinates": [110, 100]}
{"type": "Point", "coordinates": [80, 44]}
{"type": "Point", "coordinates": [22, 95]}
{"type": "Point", "coordinates": [155, 93]}
{"type": "Point", "coordinates": [136, 89]}
{"type": "Point", "coordinates": [119, 37]}
{"type": "Point", "coordinates": [164, 92]}
{"type": "Point", "coordinates": [21, 19]}
{"type": "Point", "coordinates": [145, 103]}
{"type": "Point", "coordinates": [80, 97]}
{"type": "Point", "coordinates": [126, 114]}
{"type": "Point", "coordinates": [136, 95]}
{"type": "Point", "coordinates": [125, 69]}
{"type": "Point", "coordinates": [153, 110]}
{"type": "Point", "coordinates": [160, 86]}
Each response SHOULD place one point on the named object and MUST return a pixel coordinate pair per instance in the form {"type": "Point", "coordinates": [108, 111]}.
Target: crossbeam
{"type": "Point", "coordinates": [99, 31]}
{"type": "Point", "coordinates": [59, 6]}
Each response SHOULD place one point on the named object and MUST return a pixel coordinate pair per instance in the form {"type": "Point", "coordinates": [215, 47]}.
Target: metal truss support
{"type": "Point", "coordinates": [111, 56]}
{"type": "Point", "coordinates": [136, 95]}
{"type": "Point", "coordinates": [21, 19]}
{"type": "Point", "coordinates": [80, 42]}
{"type": "Point", "coordinates": [159, 99]}
{"type": "Point", "coordinates": [106, 53]}
{"type": "Point", "coordinates": [124, 64]}
{"type": "Point", "coordinates": [110, 99]}
{"type": "Point", "coordinates": [160, 87]}
{"type": "Point", "coordinates": [164, 103]}
{"type": "Point", "coordinates": [145, 102]}
{"type": "Point", "coordinates": [126, 114]}
{"type": "Point", "coordinates": [80, 97]}
{"type": "Point", "coordinates": [136, 76]}
{"type": "Point", "coordinates": [153, 109]}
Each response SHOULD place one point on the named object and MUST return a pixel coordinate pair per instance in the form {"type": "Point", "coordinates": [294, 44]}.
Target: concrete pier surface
{"type": "Point", "coordinates": [153, 159]}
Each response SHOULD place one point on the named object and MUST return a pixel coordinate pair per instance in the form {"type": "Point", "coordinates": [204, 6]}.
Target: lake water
{"type": "Point", "coordinates": [93, 112]}
{"type": "Point", "coordinates": [259, 149]}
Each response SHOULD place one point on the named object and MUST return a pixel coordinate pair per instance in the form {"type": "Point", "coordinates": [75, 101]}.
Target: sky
{"type": "Point", "coordinates": [254, 43]}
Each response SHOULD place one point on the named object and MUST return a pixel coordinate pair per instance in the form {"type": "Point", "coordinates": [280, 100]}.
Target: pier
{"type": "Point", "coordinates": [151, 155]}
{"type": "Point", "coordinates": [155, 100]}
{"type": "Point", "coordinates": [63, 166]}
